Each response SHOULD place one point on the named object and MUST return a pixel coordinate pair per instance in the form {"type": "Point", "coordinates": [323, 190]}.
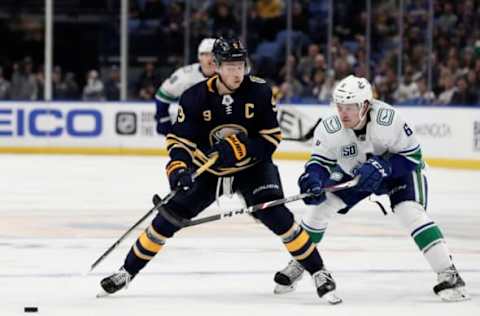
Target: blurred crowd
{"type": "Point", "coordinates": [157, 24]}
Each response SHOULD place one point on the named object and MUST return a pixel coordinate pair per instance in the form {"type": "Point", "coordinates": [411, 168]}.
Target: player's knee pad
{"type": "Point", "coordinates": [411, 215]}
{"type": "Point", "coordinates": [317, 217]}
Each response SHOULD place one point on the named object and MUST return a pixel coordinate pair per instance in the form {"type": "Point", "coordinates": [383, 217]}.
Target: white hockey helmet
{"type": "Point", "coordinates": [206, 46]}
{"type": "Point", "coordinates": [353, 89]}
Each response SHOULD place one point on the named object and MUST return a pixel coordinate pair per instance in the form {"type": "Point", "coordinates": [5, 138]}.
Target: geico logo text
{"type": "Point", "coordinates": [50, 122]}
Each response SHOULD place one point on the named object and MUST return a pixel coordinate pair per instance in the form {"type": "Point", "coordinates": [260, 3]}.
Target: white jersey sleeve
{"type": "Point", "coordinates": [323, 152]}
{"type": "Point", "coordinates": [397, 135]}
{"type": "Point", "coordinates": [179, 81]}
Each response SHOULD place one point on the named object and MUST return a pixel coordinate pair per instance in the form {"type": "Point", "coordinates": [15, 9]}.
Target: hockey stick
{"type": "Point", "coordinates": [198, 172]}
{"type": "Point", "coordinates": [305, 137]}
{"type": "Point", "coordinates": [183, 222]}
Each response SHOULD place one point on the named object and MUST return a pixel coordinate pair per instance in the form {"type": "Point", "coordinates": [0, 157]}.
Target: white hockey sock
{"type": "Point", "coordinates": [438, 257]}
{"type": "Point", "coordinates": [425, 233]}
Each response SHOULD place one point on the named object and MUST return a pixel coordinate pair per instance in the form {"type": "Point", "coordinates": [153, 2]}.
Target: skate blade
{"type": "Point", "coordinates": [332, 298]}
{"type": "Point", "coordinates": [454, 295]}
{"type": "Point", "coordinates": [283, 289]}
{"type": "Point", "coordinates": [102, 293]}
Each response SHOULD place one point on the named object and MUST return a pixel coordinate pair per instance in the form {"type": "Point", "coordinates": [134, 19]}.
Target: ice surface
{"type": "Point", "coordinates": [59, 213]}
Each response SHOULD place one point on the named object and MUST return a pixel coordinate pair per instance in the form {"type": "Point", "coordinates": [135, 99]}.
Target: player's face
{"type": "Point", "coordinates": [349, 114]}
{"type": "Point", "coordinates": [207, 64]}
{"type": "Point", "coordinates": [232, 73]}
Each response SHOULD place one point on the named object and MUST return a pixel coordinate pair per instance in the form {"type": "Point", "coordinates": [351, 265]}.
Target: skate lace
{"type": "Point", "coordinates": [293, 269]}
{"type": "Point", "coordinates": [121, 277]}
{"type": "Point", "coordinates": [322, 277]}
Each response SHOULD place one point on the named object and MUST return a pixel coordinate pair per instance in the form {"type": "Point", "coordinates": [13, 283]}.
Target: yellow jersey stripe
{"type": "Point", "coordinates": [181, 139]}
{"type": "Point", "coordinates": [210, 83]}
{"type": "Point", "coordinates": [270, 131]}
{"type": "Point", "coordinates": [272, 140]}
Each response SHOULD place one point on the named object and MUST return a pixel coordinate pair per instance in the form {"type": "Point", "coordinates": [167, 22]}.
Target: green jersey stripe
{"type": "Point", "coordinates": [163, 96]}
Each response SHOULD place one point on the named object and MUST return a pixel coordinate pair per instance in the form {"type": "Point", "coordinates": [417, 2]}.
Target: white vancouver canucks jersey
{"type": "Point", "coordinates": [182, 79]}
{"type": "Point", "coordinates": [386, 133]}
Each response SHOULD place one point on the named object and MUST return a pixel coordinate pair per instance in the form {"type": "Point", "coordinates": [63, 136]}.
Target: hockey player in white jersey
{"type": "Point", "coordinates": [369, 139]}
{"type": "Point", "coordinates": [182, 79]}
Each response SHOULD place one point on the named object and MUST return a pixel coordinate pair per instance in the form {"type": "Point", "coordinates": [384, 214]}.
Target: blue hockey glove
{"type": "Point", "coordinates": [372, 173]}
{"type": "Point", "coordinates": [179, 175]}
{"type": "Point", "coordinates": [231, 149]}
{"type": "Point", "coordinates": [310, 183]}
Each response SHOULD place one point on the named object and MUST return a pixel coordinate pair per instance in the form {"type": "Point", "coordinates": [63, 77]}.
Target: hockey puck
{"type": "Point", "coordinates": [30, 309]}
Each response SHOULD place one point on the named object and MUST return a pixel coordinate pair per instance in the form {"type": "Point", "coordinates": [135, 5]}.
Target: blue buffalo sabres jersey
{"type": "Point", "coordinates": [205, 117]}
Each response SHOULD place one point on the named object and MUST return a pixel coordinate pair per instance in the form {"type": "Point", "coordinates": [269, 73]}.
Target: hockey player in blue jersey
{"type": "Point", "coordinates": [369, 139]}
{"type": "Point", "coordinates": [233, 115]}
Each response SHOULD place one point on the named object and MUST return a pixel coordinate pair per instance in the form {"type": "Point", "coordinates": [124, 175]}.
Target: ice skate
{"type": "Point", "coordinates": [451, 287]}
{"type": "Point", "coordinates": [286, 280]}
{"type": "Point", "coordinates": [326, 286]}
{"type": "Point", "coordinates": [114, 282]}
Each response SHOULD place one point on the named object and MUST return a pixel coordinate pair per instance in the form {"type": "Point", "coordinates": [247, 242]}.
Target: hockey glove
{"type": "Point", "coordinates": [179, 175]}
{"type": "Point", "coordinates": [231, 150]}
{"type": "Point", "coordinates": [372, 173]}
{"type": "Point", "coordinates": [310, 183]}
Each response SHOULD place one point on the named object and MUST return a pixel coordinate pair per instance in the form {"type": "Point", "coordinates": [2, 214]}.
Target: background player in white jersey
{"type": "Point", "coordinates": [369, 139]}
{"type": "Point", "coordinates": [182, 79]}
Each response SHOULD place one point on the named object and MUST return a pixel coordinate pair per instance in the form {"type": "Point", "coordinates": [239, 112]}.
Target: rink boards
{"type": "Point", "coordinates": [450, 136]}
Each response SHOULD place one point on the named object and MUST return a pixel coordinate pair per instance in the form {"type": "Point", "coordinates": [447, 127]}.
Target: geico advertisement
{"type": "Point", "coordinates": [77, 124]}
{"type": "Point", "coordinates": [55, 121]}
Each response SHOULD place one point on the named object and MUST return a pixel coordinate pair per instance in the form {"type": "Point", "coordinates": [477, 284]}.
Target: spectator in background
{"type": "Point", "coordinates": [73, 91]}
{"type": "Point", "coordinates": [463, 94]}
{"type": "Point", "coordinates": [270, 13]}
{"type": "Point", "coordinates": [473, 82]}
{"type": "Point", "coordinates": [94, 89]}
{"type": "Point", "coordinates": [24, 84]}
{"type": "Point", "coordinates": [40, 81]}
{"type": "Point", "coordinates": [224, 22]}
{"type": "Point", "coordinates": [4, 87]}
{"type": "Point", "coordinates": [112, 85]}
{"type": "Point", "coordinates": [147, 93]}
{"type": "Point", "coordinates": [300, 17]}
{"type": "Point", "coordinates": [322, 86]}
{"type": "Point", "coordinates": [447, 20]}
{"type": "Point", "coordinates": [408, 89]}
{"type": "Point", "coordinates": [306, 65]}
{"type": "Point", "coordinates": [289, 67]}
{"type": "Point", "coordinates": [424, 97]}
{"type": "Point", "coordinates": [147, 79]}
{"type": "Point", "coordinates": [59, 87]}
{"type": "Point", "coordinates": [447, 82]}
